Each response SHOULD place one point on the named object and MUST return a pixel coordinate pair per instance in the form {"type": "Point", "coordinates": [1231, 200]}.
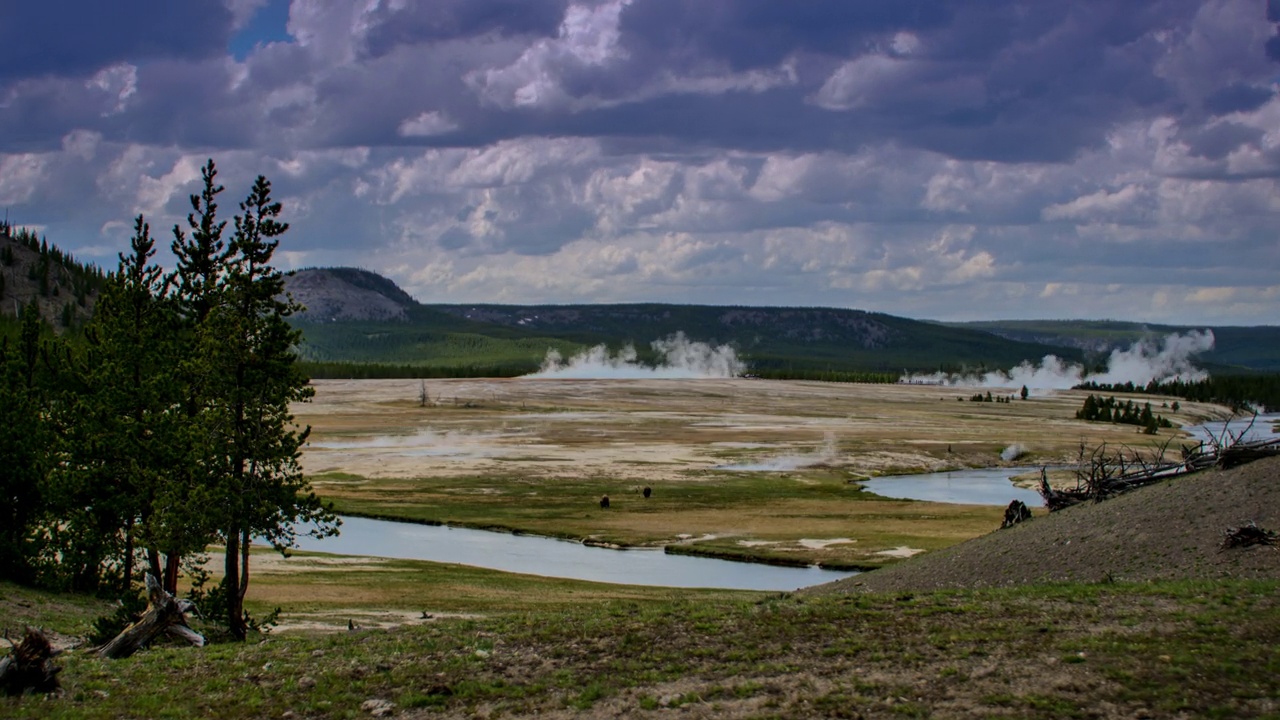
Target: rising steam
{"type": "Point", "coordinates": [683, 358]}
{"type": "Point", "coordinates": [1144, 361]}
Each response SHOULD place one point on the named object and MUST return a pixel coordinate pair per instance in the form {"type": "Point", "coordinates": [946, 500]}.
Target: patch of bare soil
{"type": "Point", "coordinates": [1171, 530]}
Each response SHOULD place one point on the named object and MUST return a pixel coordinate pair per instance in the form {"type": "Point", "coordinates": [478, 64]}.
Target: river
{"type": "Point", "coordinates": [559, 558]}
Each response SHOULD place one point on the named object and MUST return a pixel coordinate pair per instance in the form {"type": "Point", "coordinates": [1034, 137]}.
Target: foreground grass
{"type": "Point", "coordinates": [65, 614]}
{"type": "Point", "coordinates": [332, 589]}
{"type": "Point", "coordinates": [1189, 649]}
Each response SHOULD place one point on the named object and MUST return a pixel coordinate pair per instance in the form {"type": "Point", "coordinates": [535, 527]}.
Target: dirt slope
{"type": "Point", "coordinates": [1172, 530]}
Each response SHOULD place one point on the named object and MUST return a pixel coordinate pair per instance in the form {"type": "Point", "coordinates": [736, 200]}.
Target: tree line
{"type": "Point", "coordinates": [1240, 392]}
{"type": "Point", "coordinates": [167, 428]}
{"type": "Point", "coordinates": [1109, 409]}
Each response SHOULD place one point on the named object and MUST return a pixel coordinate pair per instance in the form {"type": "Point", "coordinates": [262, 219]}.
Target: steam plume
{"type": "Point", "coordinates": [682, 359]}
{"type": "Point", "coordinates": [1144, 361]}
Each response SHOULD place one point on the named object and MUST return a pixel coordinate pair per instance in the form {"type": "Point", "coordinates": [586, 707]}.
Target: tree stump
{"type": "Point", "coordinates": [1015, 513]}
{"type": "Point", "coordinates": [164, 615]}
{"type": "Point", "coordinates": [29, 667]}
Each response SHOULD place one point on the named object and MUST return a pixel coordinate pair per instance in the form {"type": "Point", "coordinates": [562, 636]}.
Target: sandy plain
{"type": "Point", "coordinates": [747, 468]}
{"type": "Point", "coordinates": [679, 429]}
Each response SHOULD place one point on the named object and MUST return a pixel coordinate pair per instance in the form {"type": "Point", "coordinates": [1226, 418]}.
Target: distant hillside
{"type": "Point", "coordinates": [1254, 348]}
{"type": "Point", "coordinates": [358, 316]}
{"type": "Point", "coordinates": [348, 294]}
{"type": "Point", "coordinates": [773, 337]}
{"type": "Point", "coordinates": [33, 270]}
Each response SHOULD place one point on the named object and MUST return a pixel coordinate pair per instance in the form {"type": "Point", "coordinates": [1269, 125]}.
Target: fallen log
{"type": "Point", "coordinates": [1247, 535]}
{"type": "Point", "coordinates": [1243, 453]}
{"type": "Point", "coordinates": [29, 667]}
{"type": "Point", "coordinates": [164, 615]}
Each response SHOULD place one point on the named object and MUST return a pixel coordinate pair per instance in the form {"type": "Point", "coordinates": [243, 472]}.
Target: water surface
{"type": "Point", "coordinates": [983, 486]}
{"type": "Point", "coordinates": [548, 557]}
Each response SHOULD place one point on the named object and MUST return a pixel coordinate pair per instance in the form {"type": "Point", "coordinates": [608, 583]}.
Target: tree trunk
{"type": "Point", "coordinates": [164, 615]}
{"type": "Point", "coordinates": [153, 561]}
{"type": "Point", "coordinates": [128, 555]}
{"type": "Point", "coordinates": [171, 569]}
{"type": "Point", "coordinates": [235, 601]}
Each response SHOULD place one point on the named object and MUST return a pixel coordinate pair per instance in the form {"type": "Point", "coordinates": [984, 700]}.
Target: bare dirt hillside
{"type": "Point", "coordinates": [1173, 530]}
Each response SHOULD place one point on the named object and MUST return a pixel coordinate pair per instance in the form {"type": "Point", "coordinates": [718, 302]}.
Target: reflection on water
{"type": "Point", "coordinates": [558, 558]}
{"type": "Point", "coordinates": [984, 486]}
{"type": "Point", "coordinates": [1248, 429]}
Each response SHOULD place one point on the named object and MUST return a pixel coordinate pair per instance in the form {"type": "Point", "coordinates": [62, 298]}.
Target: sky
{"type": "Point", "coordinates": [938, 159]}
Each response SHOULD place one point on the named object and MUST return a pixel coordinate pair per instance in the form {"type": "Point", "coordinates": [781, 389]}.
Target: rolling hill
{"type": "Point", "coordinates": [358, 316]}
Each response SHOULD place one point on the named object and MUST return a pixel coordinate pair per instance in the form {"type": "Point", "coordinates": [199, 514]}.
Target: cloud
{"type": "Point", "coordinates": [944, 159]}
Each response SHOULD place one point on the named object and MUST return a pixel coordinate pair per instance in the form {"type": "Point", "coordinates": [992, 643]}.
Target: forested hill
{"type": "Point", "coordinates": [32, 270]}
{"type": "Point", "coordinates": [358, 316]}
{"type": "Point", "coordinates": [1254, 348]}
{"type": "Point", "coordinates": [772, 337]}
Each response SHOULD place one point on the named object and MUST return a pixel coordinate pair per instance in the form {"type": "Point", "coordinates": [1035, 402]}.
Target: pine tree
{"type": "Point", "coordinates": [251, 348]}
{"type": "Point", "coordinates": [25, 439]}
{"type": "Point", "coordinates": [131, 375]}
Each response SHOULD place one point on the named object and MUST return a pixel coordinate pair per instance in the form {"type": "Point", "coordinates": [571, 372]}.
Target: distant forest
{"type": "Point", "coordinates": [1240, 392]}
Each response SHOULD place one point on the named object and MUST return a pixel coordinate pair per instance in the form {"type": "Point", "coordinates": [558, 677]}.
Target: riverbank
{"type": "Point", "coordinates": [1173, 529]}
{"type": "Point", "coordinates": [1148, 617]}
{"type": "Point", "coordinates": [750, 469]}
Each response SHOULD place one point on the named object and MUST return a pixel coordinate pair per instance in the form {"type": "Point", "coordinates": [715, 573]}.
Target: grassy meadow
{"type": "Point", "coordinates": [748, 469]}
{"type": "Point", "coordinates": [1174, 649]}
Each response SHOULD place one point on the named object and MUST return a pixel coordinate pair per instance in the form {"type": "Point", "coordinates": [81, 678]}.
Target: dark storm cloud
{"type": "Point", "coordinates": [919, 154]}
{"type": "Point", "coordinates": [1217, 141]}
{"type": "Point", "coordinates": [70, 37]}
{"type": "Point", "coordinates": [1237, 97]}
{"type": "Point", "coordinates": [416, 23]}
{"type": "Point", "coordinates": [755, 33]}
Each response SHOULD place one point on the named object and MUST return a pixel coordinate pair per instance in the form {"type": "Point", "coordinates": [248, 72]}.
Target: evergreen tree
{"type": "Point", "coordinates": [251, 350]}
{"type": "Point", "coordinates": [25, 440]}
{"type": "Point", "coordinates": [130, 373]}
{"type": "Point", "coordinates": [202, 261]}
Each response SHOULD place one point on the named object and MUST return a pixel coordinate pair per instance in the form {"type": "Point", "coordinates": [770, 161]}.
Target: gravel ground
{"type": "Point", "coordinates": [1172, 530]}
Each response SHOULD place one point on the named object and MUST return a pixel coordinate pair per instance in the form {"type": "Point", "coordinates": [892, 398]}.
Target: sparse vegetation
{"type": "Point", "coordinates": [1090, 650]}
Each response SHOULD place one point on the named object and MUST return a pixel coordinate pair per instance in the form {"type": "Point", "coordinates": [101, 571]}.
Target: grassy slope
{"type": "Point", "coordinates": [1171, 647]}
{"type": "Point", "coordinates": [1098, 651]}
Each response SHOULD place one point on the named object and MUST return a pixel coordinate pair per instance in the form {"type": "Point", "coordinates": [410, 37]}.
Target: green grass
{"type": "Point", "coordinates": [739, 505]}
{"type": "Point", "coordinates": [22, 607]}
{"type": "Point", "coordinates": [1192, 649]}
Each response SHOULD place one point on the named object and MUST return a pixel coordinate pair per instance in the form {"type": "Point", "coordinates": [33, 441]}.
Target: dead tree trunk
{"type": "Point", "coordinates": [29, 667]}
{"type": "Point", "coordinates": [164, 615]}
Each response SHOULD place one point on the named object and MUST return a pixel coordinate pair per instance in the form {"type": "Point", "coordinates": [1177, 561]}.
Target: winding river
{"type": "Point", "coordinates": [559, 558]}
{"type": "Point", "coordinates": [565, 559]}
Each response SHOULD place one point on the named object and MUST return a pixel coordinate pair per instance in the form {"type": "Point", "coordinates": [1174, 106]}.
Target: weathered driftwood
{"type": "Point", "coordinates": [29, 666]}
{"type": "Point", "coordinates": [164, 615]}
{"type": "Point", "coordinates": [1242, 453]}
{"type": "Point", "coordinates": [1248, 534]}
{"type": "Point", "coordinates": [1105, 473]}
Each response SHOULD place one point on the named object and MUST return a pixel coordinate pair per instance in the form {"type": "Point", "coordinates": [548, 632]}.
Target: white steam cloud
{"type": "Point", "coordinates": [1146, 360]}
{"type": "Point", "coordinates": [683, 359]}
